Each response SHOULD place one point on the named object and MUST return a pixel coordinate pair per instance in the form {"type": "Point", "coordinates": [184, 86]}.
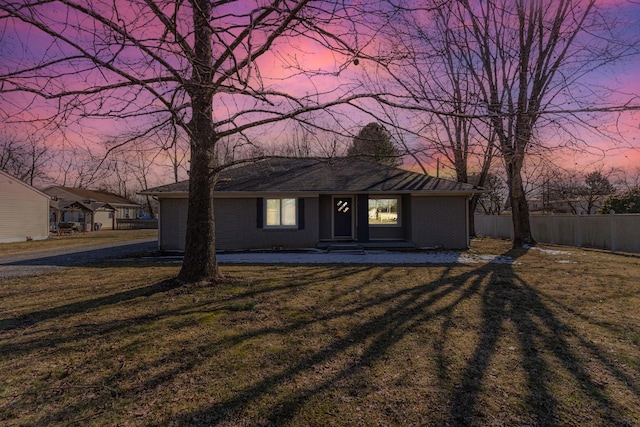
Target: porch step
{"type": "Point", "coordinates": [379, 245]}
{"type": "Point", "coordinates": [346, 248]}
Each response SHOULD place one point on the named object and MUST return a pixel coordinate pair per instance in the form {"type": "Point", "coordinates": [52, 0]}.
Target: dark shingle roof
{"type": "Point", "coordinates": [350, 175]}
{"type": "Point", "coordinates": [85, 195]}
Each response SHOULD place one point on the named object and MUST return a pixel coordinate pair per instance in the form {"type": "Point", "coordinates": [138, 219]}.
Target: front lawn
{"type": "Point", "coordinates": [550, 339]}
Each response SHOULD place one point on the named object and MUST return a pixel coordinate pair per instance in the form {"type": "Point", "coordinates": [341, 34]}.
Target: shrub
{"type": "Point", "coordinates": [627, 202]}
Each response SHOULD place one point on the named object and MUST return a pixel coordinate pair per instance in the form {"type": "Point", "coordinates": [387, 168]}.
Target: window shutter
{"type": "Point", "coordinates": [259, 212]}
{"type": "Point", "coordinates": [300, 214]}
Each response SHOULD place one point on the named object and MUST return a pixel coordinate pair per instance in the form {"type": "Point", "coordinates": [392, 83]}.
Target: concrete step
{"type": "Point", "coordinates": [346, 248]}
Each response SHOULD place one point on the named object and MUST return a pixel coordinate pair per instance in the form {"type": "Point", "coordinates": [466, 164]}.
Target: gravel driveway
{"type": "Point", "coordinates": [40, 262]}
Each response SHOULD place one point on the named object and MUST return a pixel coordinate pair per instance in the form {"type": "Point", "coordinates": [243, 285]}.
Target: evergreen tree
{"type": "Point", "coordinates": [627, 202]}
{"type": "Point", "coordinates": [373, 143]}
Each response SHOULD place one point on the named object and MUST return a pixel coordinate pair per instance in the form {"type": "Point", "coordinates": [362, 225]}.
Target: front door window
{"type": "Point", "coordinates": [343, 218]}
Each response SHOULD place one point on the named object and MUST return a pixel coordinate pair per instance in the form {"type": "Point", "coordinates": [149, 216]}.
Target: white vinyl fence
{"type": "Point", "coordinates": [613, 232]}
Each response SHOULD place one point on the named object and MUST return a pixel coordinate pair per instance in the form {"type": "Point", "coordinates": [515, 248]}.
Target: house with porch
{"type": "Point", "coordinates": [313, 202]}
{"type": "Point", "coordinates": [90, 209]}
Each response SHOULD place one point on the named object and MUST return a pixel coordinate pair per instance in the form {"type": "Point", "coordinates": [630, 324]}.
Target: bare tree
{"type": "Point", "coordinates": [131, 173]}
{"type": "Point", "coordinates": [25, 158]}
{"type": "Point", "coordinates": [313, 138]}
{"type": "Point", "coordinates": [532, 55]}
{"type": "Point", "coordinates": [436, 75]}
{"type": "Point", "coordinates": [493, 201]}
{"type": "Point", "coordinates": [303, 140]}
{"type": "Point", "coordinates": [581, 193]}
{"type": "Point", "coordinates": [78, 166]}
{"type": "Point", "coordinates": [174, 147]}
{"type": "Point", "coordinates": [597, 186]}
{"type": "Point", "coordinates": [445, 109]}
{"type": "Point", "coordinates": [194, 65]}
{"type": "Point", "coordinates": [12, 157]}
{"type": "Point", "coordinates": [527, 61]}
{"type": "Point", "coordinates": [628, 179]}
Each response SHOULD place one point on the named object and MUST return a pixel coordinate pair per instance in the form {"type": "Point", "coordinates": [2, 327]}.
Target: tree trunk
{"type": "Point", "coordinates": [200, 254]}
{"type": "Point", "coordinates": [519, 207]}
{"type": "Point", "coordinates": [200, 250]}
{"type": "Point", "coordinates": [152, 214]}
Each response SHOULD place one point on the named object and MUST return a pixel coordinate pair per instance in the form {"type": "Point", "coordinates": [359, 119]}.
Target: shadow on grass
{"type": "Point", "coordinates": [508, 298]}
{"type": "Point", "coordinates": [29, 319]}
{"type": "Point", "coordinates": [505, 299]}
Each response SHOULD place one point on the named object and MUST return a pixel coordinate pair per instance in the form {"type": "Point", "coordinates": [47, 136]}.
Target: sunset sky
{"type": "Point", "coordinates": [20, 44]}
{"type": "Point", "coordinates": [624, 79]}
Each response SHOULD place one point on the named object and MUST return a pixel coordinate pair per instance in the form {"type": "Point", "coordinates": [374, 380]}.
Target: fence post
{"type": "Point", "coordinates": [579, 230]}
{"type": "Point", "coordinates": [612, 216]}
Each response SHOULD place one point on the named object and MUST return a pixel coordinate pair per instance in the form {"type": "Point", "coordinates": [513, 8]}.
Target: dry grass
{"type": "Point", "coordinates": [77, 239]}
{"type": "Point", "coordinates": [551, 340]}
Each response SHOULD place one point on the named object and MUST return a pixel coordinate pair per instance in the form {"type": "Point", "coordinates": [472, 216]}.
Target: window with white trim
{"type": "Point", "coordinates": [384, 211]}
{"type": "Point", "coordinates": [281, 212]}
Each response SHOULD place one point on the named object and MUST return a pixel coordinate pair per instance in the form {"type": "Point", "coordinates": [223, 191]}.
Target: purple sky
{"type": "Point", "coordinates": [18, 44]}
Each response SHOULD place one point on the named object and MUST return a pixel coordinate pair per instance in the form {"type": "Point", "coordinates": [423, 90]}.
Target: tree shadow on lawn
{"type": "Point", "coordinates": [509, 299]}
{"type": "Point", "coordinates": [505, 300]}
{"type": "Point", "coordinates": [189, 356]}
{"type": "Point", "coordinates": [30, 319]}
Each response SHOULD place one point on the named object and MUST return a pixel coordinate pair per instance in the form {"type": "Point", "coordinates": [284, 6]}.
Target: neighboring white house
{"type": "Point", "coordinates": [89, 207]}
{"type": "Point", "coordinates": [24, 211]}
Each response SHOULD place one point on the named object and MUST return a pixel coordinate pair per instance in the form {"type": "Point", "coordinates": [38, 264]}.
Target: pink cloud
{"type": "Point", "coordinates": [311, 56]}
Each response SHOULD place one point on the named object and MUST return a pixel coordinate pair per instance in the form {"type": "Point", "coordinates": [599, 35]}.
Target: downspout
{"type": "Point", "coordinates": [466, 217]}
{"type": "Point", "coordinates": [159, 222]}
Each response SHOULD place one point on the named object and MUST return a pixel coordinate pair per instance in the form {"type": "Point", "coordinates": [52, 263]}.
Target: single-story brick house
{"type": "Point", "coordinates": [23, 211]}
{"type": "Point", "coordinates": [311, 202]}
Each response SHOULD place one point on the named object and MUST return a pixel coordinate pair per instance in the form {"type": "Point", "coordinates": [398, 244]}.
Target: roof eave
{"type": "Point", "coordinates": [168, 194]}
{"type": "Point", "coordinates": [423, 193]}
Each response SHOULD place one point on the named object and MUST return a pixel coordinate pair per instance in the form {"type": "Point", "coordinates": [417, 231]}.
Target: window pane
{"type": "Point", "coordinates": [273, 211]}
{"type": "Point", "coordinates": [383, 211]}
{"type": "Point", "coordinates": [288, 212]}
{"type": "Point", "coordinates": [281, 213]}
